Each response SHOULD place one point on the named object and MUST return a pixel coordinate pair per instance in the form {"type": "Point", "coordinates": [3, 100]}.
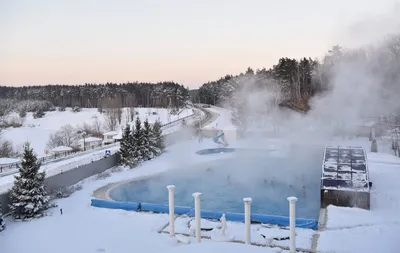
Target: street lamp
{"type": "Point", "coordinates": [83, 134]}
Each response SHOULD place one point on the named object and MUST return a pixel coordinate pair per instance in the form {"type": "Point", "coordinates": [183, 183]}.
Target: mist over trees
{"type": "Point", "coordinates": [163, 94]}
{"type": "Point", "coordinates": [293, 83]}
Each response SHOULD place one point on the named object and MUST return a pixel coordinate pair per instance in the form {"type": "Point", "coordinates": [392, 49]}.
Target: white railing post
{"type": "Point", "coordinates": [247, 219]}
{"type": "Point", "coordinates": [197, 216]}
{"type": "Point", "coordinates": [292, 223]}
{"type": "Point", "coordinates": [171, 204]}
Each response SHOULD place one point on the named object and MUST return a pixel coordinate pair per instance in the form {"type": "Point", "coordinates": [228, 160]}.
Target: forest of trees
{"type": "Point", "coordinates": [293, 82]}
{"type": "Point", "coordinates": [163, 94]}
{"type": "Point", "coordinates": [297, 81]}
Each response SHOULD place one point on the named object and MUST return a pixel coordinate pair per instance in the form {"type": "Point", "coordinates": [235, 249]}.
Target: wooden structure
{"type": "Point", "coordinates": [345, 177]}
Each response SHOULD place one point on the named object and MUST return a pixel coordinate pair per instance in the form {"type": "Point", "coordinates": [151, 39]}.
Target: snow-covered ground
{"type": "Point", "coordinates": [83, 229]}
{"type": "Point", "coordinates": [37, 131]}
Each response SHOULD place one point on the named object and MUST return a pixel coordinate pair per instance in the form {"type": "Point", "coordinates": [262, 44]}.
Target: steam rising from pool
{"type": "Point", "coordinates": [261, 175]}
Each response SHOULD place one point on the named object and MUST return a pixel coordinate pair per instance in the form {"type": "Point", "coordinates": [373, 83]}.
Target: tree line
{"type": "Point", "coordinates": [132, 94]}
{"type": "Point", "coordinates": [292, 83]}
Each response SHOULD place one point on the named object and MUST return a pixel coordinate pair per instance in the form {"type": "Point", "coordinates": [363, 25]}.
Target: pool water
{"type": "Point", "coordinates": [266, 178]}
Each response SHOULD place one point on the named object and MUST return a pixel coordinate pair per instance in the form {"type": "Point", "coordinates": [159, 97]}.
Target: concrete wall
{"type": "Point", "coordinates": [71, 177]}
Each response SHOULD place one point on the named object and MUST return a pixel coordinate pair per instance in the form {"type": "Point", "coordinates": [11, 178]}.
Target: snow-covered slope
{"type": "Point", "coordinates": [37, 131]}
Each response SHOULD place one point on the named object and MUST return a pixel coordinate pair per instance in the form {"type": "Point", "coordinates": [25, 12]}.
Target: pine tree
{"type": "Point", "coordinates": [137, 141]}
{"type": "Point", "coordinates": [125, 149]}
{"type": "Point", "coordinates": [157, 139]}
{"type": "Point", "coordinates": [147, 152]}
{"type": "Point", "coordinates": [28, 197]}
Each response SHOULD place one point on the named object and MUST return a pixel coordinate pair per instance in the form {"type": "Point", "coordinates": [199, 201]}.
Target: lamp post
{"type": "Point", "coordinates": [83, 134]}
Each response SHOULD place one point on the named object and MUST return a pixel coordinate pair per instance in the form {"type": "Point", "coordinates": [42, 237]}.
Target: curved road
{"type": "Point", "coordinates": [209, 118]}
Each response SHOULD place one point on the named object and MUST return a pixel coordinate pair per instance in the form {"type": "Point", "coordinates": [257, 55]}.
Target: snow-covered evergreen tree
{"type": "Point", "coordinates": [147, 152]}
{"type": "Point", "coordinates": [137, 140]}
{"type": "Point", "coordinates": [157, 139]}
{"type": "Point", "coordinates": [28, 196]}
{"type": "Point", "coordinates": [126, 146]}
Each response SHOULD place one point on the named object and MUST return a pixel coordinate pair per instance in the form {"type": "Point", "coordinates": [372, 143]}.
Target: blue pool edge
{"type": "Point", "coordinates": [205, 214]}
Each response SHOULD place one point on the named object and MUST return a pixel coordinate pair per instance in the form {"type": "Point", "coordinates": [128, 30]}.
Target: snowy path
{"type": "Point", "coordinates": [220, 119]}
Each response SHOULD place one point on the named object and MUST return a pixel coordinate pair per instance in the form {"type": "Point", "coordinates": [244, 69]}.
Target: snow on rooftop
{"type": "Point", "coordinates": [91, 139]}
{"type": "Point", "coordinates": [111, 133]}
{"type": "Point", "coordinates": [62, 149]}
{"type": "Point", "coordinates": [118, 136]}
{"type": "Point", "coordinates": [345, 168]}
{"type": "Point", "coordinates": [6, 160]}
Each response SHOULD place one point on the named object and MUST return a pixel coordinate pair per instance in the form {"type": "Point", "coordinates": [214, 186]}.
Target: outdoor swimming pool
{"type": "Point", "coordinates": [266, 178]}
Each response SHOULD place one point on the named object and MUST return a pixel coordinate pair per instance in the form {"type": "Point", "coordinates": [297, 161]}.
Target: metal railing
{"type": "Point", "coordinates": [10, 169]}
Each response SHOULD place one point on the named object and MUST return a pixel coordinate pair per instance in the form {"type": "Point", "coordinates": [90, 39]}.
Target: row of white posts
{"type": "Point", "coordinates": [247, 217]}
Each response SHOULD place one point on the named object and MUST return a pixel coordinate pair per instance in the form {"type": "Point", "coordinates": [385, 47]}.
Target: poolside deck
{"type": "Point", "coordinates": [345, 178]}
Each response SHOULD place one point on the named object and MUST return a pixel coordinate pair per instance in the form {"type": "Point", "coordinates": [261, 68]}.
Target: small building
{"type": "Point", "coordinates": [61, 151]}
{"type": "Point", "coordinates": [117, 137]}
{"type": "Point", "coordinates": [109, 137]}
{"type": "Point", "coordinates": [90, 143]}
{"type": "Point", "coordinates": [345, 177]}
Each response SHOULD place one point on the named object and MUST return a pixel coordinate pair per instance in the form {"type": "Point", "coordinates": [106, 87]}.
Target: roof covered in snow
{"type": "Point", "coordinates": [118, 136]}
{"type": "Point", "coordinates": [6, 160]}
{"type": "Point", "coordinates": [62, 149]}
{"type": "Point", "coordinates": [111, 133]}
{"type": "Point", "coordinates": [345, 168]}
{"type": "Point", "coordinates": [91, 139]}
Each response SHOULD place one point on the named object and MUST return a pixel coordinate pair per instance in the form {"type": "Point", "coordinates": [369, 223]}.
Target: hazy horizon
{"type": "Point", "coordinates": [76, 42]}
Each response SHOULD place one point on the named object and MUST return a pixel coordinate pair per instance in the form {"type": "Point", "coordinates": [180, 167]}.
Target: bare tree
{"type": "Point", "coordinates": [113, 114]}
{"type": "Point", "coordinates": [6, 148]}
{"type": "Point", "coordinates": [97, 127]}
{"type": "Point", "coordinates": [130, 114]}
{"type": "Point", "coordinates": [66, 136]}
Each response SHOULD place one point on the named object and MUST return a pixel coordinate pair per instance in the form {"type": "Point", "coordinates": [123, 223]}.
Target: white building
{"type": "Point", "coordinates": [117, 137]}
{"type": "Point", "coordinates": [90, 143]}
{"type": "Point", "coordinates": [109, 137]}
{"type": "Point", "coordinates": [61, 150]}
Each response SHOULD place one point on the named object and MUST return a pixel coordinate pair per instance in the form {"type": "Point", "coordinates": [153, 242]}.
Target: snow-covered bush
{"type": "Point", "coordinates": [38, 114]}
{"type": "Point", "coordinates": [14, 121]}
{"type": "Point", "coordinates": [103, 175]}
{"type": "Point", "coordinates": [76, 109]}
{"type": "Point", "coordinates": [22, 113]}
{"type": "Point", "coordinates": [66, 192]}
